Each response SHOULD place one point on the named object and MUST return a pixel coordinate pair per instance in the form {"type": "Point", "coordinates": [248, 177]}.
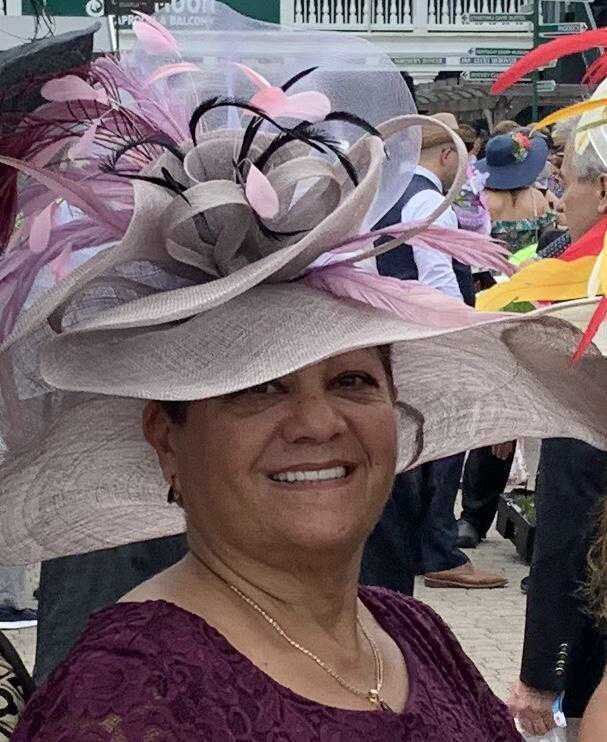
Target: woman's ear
{"type": "Point", "coordinates": [602, 184]}
{"type": "Point", "coordinates": [158, 432]}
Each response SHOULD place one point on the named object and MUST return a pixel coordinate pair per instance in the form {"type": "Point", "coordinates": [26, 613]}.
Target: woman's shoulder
{"type": "Point", "coordinates": [404, 610]}
{"type": "Point", "coordinates": [119, 665]}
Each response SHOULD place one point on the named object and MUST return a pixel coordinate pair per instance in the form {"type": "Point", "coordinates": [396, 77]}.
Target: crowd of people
{"type": "Point", "coordinates": [247, 366]}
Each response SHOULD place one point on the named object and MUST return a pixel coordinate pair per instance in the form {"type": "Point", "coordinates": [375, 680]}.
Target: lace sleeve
{"type": "Point", "coordinates": [98, 695]}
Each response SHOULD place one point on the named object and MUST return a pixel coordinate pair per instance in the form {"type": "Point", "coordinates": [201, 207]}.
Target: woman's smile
{"type": "Point", "coordinates": [314, 477]}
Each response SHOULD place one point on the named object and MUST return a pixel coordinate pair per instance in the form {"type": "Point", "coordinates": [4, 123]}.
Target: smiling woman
{"type": "Point", "coordinates": [281, 383]}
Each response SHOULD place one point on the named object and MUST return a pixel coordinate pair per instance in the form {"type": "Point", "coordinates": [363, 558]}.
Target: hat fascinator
{"type": "Point", "coordinates": [193, 218]}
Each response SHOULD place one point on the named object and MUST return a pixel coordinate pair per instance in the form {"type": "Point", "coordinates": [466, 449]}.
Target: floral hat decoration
{"type": "Point", "coordinates": [195, 217]}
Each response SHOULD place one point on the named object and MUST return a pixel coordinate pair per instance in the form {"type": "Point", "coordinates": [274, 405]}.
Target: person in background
{"type": "Point", "coordinates": [485, 478]}
{"type": "Point", "coordinates": [425, 542]}
{"type": "Point", "coordinates": [519, 211]}
{"type": "Point", "coordinates": [507, 126]}
{"type": "Point", "coordinates": [72, 588]}
{"type": "Point", "coordinates": [563, 649]}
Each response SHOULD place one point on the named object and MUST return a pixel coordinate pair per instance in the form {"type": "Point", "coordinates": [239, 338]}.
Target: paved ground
{"type": "Point", "coordinates": [488, 623]}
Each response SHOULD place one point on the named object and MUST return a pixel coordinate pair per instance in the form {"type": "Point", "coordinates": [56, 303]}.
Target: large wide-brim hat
{"type": "Point", "coordinates": [506, 169]}
{"type": "Point", "coordinates": [210, 276]}
{"type": "Point", "coordinates": [93, 482]}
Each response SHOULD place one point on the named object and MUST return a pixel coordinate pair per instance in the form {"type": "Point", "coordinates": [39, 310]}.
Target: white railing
{"type": "Point", "coordinates": [385, 15]}
{"type": "Point", "coordinates": [457, 12]}
{"type": "Point", "coordinates": [350, 14]}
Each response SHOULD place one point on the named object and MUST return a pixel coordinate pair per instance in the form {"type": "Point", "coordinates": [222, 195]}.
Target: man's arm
{"type": "Point", "coordinates": [434, 268]}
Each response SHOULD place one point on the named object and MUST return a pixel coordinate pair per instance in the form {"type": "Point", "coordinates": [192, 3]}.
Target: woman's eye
{"type": "Point", "coordinates": [357, 381]}
{"type": "Point", "coordinates": [268, 387]}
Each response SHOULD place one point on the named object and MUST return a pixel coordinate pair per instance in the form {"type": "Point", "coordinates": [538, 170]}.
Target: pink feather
{"type": "Point", "coordinates": [260, 194]}
{"type": "Point", "coordinates": [168, 70]}
{"type": "Point", "coordinates": [46, 154]}
{"type": "Point", "coordinates": [84, 145]}
{"type": "Point", "coordinates": [412, 301]}
{"type": "Point", "coordinates": [70, 88]}
{"type": "Point", "coordinates": [153, 36]}
{"type": "Point", "coordinates": [311, 106]}
{"type": "Point", "coordinates": [60, 266]}
{"type": "Point", "coordinates": [468, 247]}
{"type": "Point", "coordinates": [258, 80]}
{"type": "Point", "coordinates": [40, 231]}
{"type": "Point", "coordinates": [87, 201]}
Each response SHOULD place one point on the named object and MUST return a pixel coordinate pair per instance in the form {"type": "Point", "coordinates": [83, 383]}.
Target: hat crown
{"type": "Point", "coordinates": [501, 151]}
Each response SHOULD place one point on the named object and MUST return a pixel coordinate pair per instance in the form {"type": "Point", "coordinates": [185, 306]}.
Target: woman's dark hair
{"type": "Point", "coordinates": [178, 411]}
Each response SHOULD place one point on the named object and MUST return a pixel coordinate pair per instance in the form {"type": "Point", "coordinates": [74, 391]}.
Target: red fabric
{"type": "Point", "coordinates": [590, 244]}
{"type": "Point", "coordinates": [595, 322]}
{"type": "Point", "coordinates": [542, 55]}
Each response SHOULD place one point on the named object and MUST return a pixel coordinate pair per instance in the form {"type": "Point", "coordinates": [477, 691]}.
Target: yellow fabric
{"type": "Point", "coordinates": [577, 109]}
{"type": "Point", "coordinates": [547, 280]}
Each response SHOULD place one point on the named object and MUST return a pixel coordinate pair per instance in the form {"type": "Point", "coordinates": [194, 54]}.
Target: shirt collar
{"type": "Point", "coordinates": [421, 170]}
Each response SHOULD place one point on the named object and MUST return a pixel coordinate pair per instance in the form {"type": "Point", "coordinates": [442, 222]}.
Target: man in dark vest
{"type": "Point", "coordinates": [418, 531]}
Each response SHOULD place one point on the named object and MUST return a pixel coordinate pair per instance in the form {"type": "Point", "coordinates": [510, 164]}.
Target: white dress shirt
{"type": "Point", "coordinates": [434, 268]}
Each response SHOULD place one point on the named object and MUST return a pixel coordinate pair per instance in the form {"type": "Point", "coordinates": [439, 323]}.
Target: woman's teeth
{"type": "Point", "coordinates": [338, 472]}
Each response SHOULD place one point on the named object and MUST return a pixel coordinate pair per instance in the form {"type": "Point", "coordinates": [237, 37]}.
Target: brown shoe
{"type": "Point", "coordinates": [464, 576]}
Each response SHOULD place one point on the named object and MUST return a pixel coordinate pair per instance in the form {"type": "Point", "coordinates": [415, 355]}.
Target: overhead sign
{"type": "Point", "coordinates": [487, 76]}
{"type": "Point", "coordinates": [487, 61]}
{"type": "Point", "coordinates": [479, 75]}
{"type": "Point", "coordinates": [491, 18]}
{"type": "Point", "coordinates": [419, 59]}
{"type": "Point", "coordinates": [491, 51]}
{"type": "Point", "coordinates": [126, 7]}
{"type": "Point", "coordinates": [550, 30]}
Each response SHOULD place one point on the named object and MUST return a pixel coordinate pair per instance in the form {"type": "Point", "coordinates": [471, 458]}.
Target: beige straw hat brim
{"type": "Point", "coordinates": [579, 312]}
{"type": "Point", "coordinates": [95, 483]}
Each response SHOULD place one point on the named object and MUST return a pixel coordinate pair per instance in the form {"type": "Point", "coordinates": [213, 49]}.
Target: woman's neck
{"type": "Point", "coordinates": [310, 593]}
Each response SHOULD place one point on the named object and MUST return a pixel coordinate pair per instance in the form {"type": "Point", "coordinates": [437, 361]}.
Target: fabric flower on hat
{"type": "Point", "coordinates": [521, 144]}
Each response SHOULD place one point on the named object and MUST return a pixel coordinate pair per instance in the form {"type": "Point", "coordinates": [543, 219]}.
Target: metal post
{"type": "Point", "coordinates": [535, 111]}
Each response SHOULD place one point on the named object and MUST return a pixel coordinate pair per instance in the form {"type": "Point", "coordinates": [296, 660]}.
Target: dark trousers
{"type": "Point", "coordinates": [485, 478]}
{"type": "Point", "coordinates": [73, 587]}
{"type": "Point", "coordinates": [417, 532]}
{"type": "Point", "coordinates": [570, 490]}
{"type": "Point", "coordinates": [439, 482]}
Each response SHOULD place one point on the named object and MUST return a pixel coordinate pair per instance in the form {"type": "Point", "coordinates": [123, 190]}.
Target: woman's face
{"type": "Point", "coordinates": [304, 461]}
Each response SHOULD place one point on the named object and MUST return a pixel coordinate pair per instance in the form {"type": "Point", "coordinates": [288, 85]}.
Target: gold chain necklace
{"type": "Point", "coordinates": [373, 695]}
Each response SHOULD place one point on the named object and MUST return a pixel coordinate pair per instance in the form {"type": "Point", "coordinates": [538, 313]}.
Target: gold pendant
{"type": "Point", "coordinates": [377, 700]}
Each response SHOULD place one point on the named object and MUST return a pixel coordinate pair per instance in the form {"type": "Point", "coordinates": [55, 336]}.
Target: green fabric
{"type": "Point", "coordinates": [525, 253]}
{"type": "Point", "coordinates": [519, 233]}
{"type": "Point", "coordinates": [521, 307]}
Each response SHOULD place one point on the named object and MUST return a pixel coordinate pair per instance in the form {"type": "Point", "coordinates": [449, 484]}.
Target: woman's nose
{"type": "Point", "coordinates": [313, 418]}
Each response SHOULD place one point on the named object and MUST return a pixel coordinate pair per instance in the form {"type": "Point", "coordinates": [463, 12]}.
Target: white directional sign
{"type": "Point", "coordinates": [495, 18]}
{"type": "Point", "coordinates": [496, 51]}
{"type": "Point", "coordinates": [487, 61]}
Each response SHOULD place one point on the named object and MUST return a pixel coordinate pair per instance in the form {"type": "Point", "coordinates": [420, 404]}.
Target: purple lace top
{"type": "Point", "coordinates": [152, 671]}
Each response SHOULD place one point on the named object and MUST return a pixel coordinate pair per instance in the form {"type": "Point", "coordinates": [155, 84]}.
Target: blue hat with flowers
{"type": "Point", "coordinates": [513, 160]}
